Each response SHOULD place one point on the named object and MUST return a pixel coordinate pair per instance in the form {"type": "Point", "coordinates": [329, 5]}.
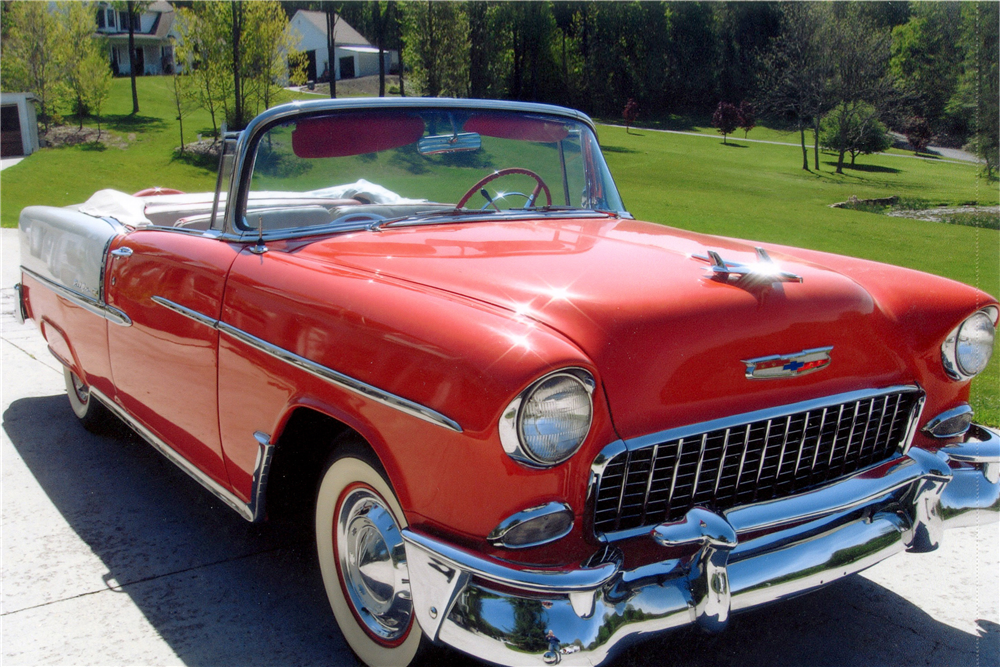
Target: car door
{"type": "Point", "coordinates": [165, 366]}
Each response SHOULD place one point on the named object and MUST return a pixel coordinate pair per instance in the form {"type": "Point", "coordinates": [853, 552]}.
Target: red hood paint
{"type": "Point", "coordinates": [667, 339]}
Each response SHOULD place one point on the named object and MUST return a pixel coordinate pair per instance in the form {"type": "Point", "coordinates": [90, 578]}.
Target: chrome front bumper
{"type": "Point", "coordinates": [501, 612]}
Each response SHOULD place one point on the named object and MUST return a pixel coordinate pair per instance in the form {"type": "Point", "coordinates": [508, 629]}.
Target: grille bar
{"type": "Point", "coordinates": [732, 462]}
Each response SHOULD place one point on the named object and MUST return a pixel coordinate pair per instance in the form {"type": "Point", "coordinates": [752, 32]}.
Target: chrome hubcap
{"type": "Point", "coordinates": [372, 561]}
{"type": "Point", "coordinates": [82, 392]}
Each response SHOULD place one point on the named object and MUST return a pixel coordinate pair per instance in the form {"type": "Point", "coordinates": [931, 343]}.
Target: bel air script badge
{"type": "Point", "coordinates": [788, 365]}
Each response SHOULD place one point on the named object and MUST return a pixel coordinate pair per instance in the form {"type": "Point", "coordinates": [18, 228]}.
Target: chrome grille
{"type": "Point", "coordinates": [746, 462]}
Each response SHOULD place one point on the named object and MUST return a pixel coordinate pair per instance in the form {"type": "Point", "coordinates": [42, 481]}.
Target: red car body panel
{"type": "Point", "coordinates": [165, 365]}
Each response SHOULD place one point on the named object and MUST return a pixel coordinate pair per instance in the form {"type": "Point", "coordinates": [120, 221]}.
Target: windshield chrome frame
{"type": "Point", "coordinates": [249, 138]}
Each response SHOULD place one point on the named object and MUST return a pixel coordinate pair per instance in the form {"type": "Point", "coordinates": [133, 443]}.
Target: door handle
{"type": "Point", "coordinates": [124, 251]}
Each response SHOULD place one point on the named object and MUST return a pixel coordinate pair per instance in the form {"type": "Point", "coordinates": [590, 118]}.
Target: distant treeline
{"type": "Point", "coordinates": [937, 61]}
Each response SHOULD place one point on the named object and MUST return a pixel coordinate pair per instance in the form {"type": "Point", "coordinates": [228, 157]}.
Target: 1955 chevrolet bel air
{"type": "Point", "coordinates": [532, 428]}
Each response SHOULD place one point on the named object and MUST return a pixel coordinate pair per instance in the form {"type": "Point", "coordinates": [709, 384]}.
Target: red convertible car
{"type": "Point", "coordinates": [531, 427]}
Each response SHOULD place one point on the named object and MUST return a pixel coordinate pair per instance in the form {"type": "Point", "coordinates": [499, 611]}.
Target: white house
{"type": "Point", "coordinates": [354, 55]}
{"type": "Point", "coordinates": [18, 124]}
{"type": "Point", "coordinates": [153, 30]}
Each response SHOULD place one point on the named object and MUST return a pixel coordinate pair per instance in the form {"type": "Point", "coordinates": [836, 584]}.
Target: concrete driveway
{"type": "Point", "coordinates": [111, 556]}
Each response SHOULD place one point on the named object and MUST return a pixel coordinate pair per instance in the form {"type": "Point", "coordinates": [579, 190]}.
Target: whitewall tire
{"type": "Point", "coordinates": [87, 409]}
{"type": "Point", "coordinates": [363, 562]}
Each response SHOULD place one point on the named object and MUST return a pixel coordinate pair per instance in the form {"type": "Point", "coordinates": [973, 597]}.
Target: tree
{"type": "Point", "coordinates": [795, 73]}
{"type": "Point", "coordinates": [918, 133]}
{"type": "Point", "coordinates": [856, 131]}
{"type": "Point", "coordinates": [181, 97]}
{"type": "Point", "coordinates": [332, 17]}
{"type": "Point", "coordinates": [630, 113]}
{"type": "Point", "coordinates": [31, 54]}
{"type": "Point", "coordinates": [268, 50]}
{"type": "Point", "coordinates": [926, 57]}
{"type": "Point", "coordinates": [436, 37]}
{"type": "Point", "coordinates": [977, 98]}
{"type": "Point", "coordinates": [748, 119]}
{"type": "Point", "coordinates": [202, 50]}
{"type": "Point", "coordinates": [133, 11]}
{"type": "Point", "coordinates": [726, 119]}
{"type": "Point", "coordinates": [81, 56]}
{"type": "Point", "coordinates": [97, 83]}
{"type": "Point", "coordinates": [862, 84]}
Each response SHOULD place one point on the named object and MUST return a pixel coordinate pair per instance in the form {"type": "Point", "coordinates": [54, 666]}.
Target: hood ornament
{"type": "Point", "coordinates": [763, 270]}
{"type": "Point", "coordinates": [788, 365]}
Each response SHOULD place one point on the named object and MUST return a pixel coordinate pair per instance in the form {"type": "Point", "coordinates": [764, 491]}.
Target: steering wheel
{"type": "Point", "coordinates": [507, 172]}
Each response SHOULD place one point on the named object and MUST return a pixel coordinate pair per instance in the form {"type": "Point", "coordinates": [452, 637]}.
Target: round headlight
{"type": "Point", "coordinates": [974, 344]}
{"type": "Point", "coordinates": [547, 423]}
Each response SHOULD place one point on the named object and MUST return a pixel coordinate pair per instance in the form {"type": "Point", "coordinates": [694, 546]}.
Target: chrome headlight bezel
{"type": "Point", "coordinates": [511, 419]}
{"type": "Point", "coordinates": [950, 354]}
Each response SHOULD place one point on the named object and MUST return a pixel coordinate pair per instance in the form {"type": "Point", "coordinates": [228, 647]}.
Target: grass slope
{"type": "Point", "coordinates": [748, 190]}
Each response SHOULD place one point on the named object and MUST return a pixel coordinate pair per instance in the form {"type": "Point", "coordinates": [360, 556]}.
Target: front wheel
{"type": "Point", "coordinates": [363, 560]}
{"type": "Point", "coordinates": [88, 409]}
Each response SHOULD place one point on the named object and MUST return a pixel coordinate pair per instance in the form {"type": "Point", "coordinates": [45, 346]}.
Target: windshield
{"type": "Point", "coordinates": [355, 168]}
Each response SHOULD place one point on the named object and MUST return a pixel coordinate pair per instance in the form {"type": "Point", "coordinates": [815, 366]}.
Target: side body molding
{"type": "Point", "coordinates": [332, 376]}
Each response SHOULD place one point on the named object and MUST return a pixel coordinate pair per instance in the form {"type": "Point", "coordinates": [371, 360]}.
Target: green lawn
{"type": "Point", "coordinates": [749, 190]}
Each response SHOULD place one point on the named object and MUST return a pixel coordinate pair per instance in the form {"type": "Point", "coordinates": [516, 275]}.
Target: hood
{"type": "Point", "coordinates": [667, 339]}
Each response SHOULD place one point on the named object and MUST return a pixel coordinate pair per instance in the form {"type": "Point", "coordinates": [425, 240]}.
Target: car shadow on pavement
{"type": "Point", "coordinates": [221, 591]}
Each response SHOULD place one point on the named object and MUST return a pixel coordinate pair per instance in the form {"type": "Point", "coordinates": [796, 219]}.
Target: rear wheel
{"type": "Point", "coordinates": [363, 560]}
{"type": "Point", "coordinates": [88, 409]}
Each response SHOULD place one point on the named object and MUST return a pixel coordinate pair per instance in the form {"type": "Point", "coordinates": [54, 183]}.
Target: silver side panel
{"type": "Point", "coordinates": [67, 248]}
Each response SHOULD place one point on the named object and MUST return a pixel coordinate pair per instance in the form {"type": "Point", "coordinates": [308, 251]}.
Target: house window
{"type": "Point", "coordinates": [100, 18]}
{"type": "Point", "coordinates": [110, 13]}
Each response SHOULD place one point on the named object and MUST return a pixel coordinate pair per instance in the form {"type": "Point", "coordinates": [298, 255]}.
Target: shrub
{"type": "Point", "coordinates": [918, 133]}
{"type": "Point", "coordinates": [630, 113]}
{"type": "Point", "coordinates": [864, 133]}
{"type": "Point", "coordinates": [726, 118]}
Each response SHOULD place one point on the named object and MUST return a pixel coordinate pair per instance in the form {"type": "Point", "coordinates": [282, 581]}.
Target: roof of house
{"type": "Point", "coordinates": [343, 33]}
{"type": "Point", "coordinates": [160, 31]}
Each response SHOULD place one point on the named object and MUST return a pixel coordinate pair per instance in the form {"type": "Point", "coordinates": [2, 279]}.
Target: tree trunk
{"type": "Point", "coordinates": [840, 161]}
{"type": "Point", "coordinates": [816, 141]}
{"type": "Point", "coordinates": [853, 155]}
{"type": "Point", "coordinates": [130, 5]}
{"type": "Point", "coordinates": [402, 70]}
{"type": "Point", "coordinates": [805, 151]}
{"type": "Point", "coordinates": [238, 97]}
{"type": "Point", "coordinates": [331, 49]}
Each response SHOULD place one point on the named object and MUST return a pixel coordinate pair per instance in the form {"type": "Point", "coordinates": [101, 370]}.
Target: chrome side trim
{"type": "Point", "coordinates": [186, 312]}
{"type": "Point", "coordinates": [177, 459]}
{"type": "Point", "coordinates": [333, 377]}
{"type": "Point", "coordinates": [343, 381]}
{"type": "Point", "coordinates": [89, 303]}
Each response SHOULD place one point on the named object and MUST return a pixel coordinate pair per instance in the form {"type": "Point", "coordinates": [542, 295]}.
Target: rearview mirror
{"type": "Point", "coordinates": [449, 143]}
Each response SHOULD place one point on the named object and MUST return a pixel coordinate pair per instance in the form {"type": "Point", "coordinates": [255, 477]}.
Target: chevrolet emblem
{"type": "Point", "coordinates": [788, 365]}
